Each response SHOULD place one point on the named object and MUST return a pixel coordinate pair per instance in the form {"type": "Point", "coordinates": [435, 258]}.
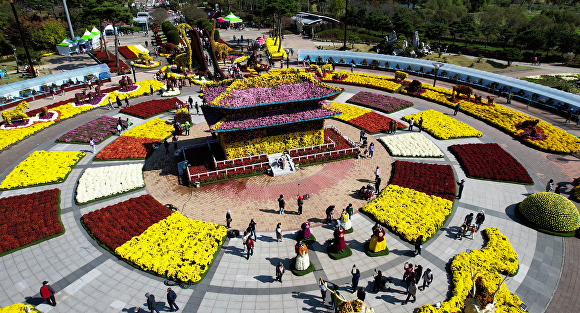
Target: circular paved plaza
{"type": "Point", "coordinates": [87, 278]}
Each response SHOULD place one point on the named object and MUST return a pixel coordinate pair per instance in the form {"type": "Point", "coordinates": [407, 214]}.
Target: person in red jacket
{"type": "Point", "coordinates": [250, 247]}
{"type": "Point", "coordinates": [47, 293]}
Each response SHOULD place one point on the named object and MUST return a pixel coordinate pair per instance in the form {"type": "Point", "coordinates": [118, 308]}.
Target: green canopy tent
{"type": "Point", "coordinates": [65, 47]}
{"type": "Point", "coordinates": [232, 18]}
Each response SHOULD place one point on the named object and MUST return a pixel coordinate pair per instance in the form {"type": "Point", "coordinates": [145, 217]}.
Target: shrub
{"type": "Point", "coordinates": [173, 37]}
{"type": "Point", "coordinates": [551, 212]}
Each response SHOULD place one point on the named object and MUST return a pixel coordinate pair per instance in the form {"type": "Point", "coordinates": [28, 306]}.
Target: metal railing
{"type": "Point", "coordinates": [233, 161]}
{"type": "Point", "coordinates": [254, 166]}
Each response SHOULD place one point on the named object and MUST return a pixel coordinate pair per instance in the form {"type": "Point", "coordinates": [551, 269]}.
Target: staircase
{"type": "Point", "coordinates": [276, 170]}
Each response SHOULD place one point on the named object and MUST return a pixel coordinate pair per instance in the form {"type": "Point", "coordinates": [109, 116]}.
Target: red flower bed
{"type": "Point", "coordinates": [111, 61]}
{"type": "Point", "coordinates": [126, 147]}
{"type": "Point", "coordinates": [29, 218]}
{"type": "Point", "coordinates": [127, 53]}
{"type": "Point", "coordinates": [490, 161]}
{"type": "Point", "coordinates": [153, 107]}
{"type": "Point", "coordinates": [116, 224]}
{"type": "Point", "coordinates": [373, 122]}
{"type": "Point", "coordinates": [432, 179]}
{"type": "Point", "coordinates": [382, 103]}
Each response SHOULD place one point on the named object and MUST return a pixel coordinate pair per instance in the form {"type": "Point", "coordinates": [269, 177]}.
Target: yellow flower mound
{"type": "Point", "coordinates": [442, 126]}
{"type": "Point", "coordinates": [495, 258]}
{"type": "Point", "coordinates": [143, 89]}
{"type": "Point", "coordinates": [153, 129]}
{"type": "Point", "coordinates": [69, 110]}
{"type": "Point", "coordinates": [273, 144]}
{"type": "Point", "coordinates": [370, 80]}
{"type": "Point", "coordinates": [176, 247]}
{"type": "Point", "coordinates": [42, 167]}
{"type": "Point", "coordinates": [18, 308]}
{"type": "Point", "coordinates": [504, 118]}
{"type": "Point", "coordinates": [408, 212]}
{"type": "Point", "coordinates": [273, 48]}
{"type": "Point", "coordinates": [349, 112]}
{"type": "Point", "coordinates": [10, 136]}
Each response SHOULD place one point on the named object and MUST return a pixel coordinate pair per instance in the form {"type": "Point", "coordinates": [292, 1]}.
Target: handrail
{"type": "Point", "coordinates": [225, 170]}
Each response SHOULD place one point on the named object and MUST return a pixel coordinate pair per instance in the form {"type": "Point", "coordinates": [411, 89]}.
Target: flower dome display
{"type": "Point", "coordinates": [551, 212]}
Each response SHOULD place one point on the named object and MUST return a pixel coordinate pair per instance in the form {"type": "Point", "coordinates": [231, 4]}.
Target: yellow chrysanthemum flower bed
{"type": "Point", "coordinates": [143, 89]}
{"type": "Point", "coordinates": [153, 129]}
{"type": "Point", "coordinates": [272, 47]}
{"type": "Point", "coordinates": [409, 213]}
{"type": "Point", "coordinates": [369, 80]}
{"type": "Point", "coordinates": [442, 126]}
{"type": "Point", "coordinates": [176, 247]}
{"type": "Point", "coordinates": [10, 136]}
{"type": "Point", "coordinates": [69, 110]}
{"type": "Point", "coordinates": [42, 167]}
{"type": "Point", "coordinates": [151, 65]}
{"type": "Point", "coordinates": [349, 112]}
{"type": "Point", "coordinates": [18, 308]}
{"type": "Point", "coordinates": [504, 118]}
{"type": "Point", "coordinates": [273, 144]}
{"type": "Point", "coordinates": [496, 258]}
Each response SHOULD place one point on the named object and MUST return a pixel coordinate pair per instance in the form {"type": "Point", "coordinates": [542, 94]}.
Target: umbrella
{"type": "Point", "coordinates": [232, 18]}
{"type": "Point", "coordinates": [260, 40]}
{"type": "Point", "coordinates": [221, 19]}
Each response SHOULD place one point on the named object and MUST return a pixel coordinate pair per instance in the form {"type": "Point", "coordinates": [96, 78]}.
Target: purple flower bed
{"type": "Point", "coordinates": [98, 129]}
{"type": "Point", "coordinates": [382, 103]}
{"type": "Point", "coordinates": [269, 119]}
{"type": "Point", "coordinates": [265, 95]}
{"type": "Point", "coordinates": [210, 93]}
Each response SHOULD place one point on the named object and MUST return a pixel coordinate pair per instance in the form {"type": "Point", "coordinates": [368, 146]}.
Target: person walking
{"type": "Point", "coordinates": [550, 186]}
{"type": "Point", "coordinates": [355, 272]}
{"type": "Point", "coordinates": [391, 127]}
{"type": "Point", "coordinates": [196, 108]}
{"type": "Point", "coordinates": [509, 97]}
{"type": "Point", "coordinates": [372, 150]}
{"type": "Point", "coordinates": [186, 126]}
{"type": "Point", "coordinates": [151, 90]}
{"type": "Point", "coordinates": [418, 243]}
{"type": "Point", "coordinates": [377, 185]}
{"type": "Point", "coordinates": [329, 213]}
{"type": "Point", "coordinates": [47, 293]}
{"type": "Point", "coordinates": [171, 297]}
{"type": "Point", "coordinates": [190, 101]}
{"type": "Point", "coordinates": [279, 232]}
{"type": "Point", "coordinates": [228, 218]}
{"type": "Point", "coordinates": [468, 219]}
{"type": "Point", "coordinates": [408, 273]}
{"type": "Point", "coordinates": [300, 204]}
{"type": "Point", "coordinates": [479, 219]}
{"type": "Point", "coordinates": [323, 289]}
{"type": "Point", "coordinates": [418, 272]}
{"type": "Point", "coordinates": [361, 294]}
{"type": "Point", "coordinates": [250, 247]}
{"type": "Point", "coordinates": [362, 135]}
{"type": "Point", "coordinates": [174, 140]}
{"type": "Point", "coordinates": [427, 278]}
{"type": "Point", "coordinates": [166, 145]}
{"type": "Point", "coordinates": [350, 210]}
{"type": "Point", "coordinates": [377, 172]}
{"type": "Point", "coordinates": [110, 105]}
{"type": "Point", "coordinates": [92, 144]}
{"type": "Point", "coordinates": [461, 185]}
{"type": "Point", "coordinates": [411, 124]}
{"type": "Point", "coordinates": [119, 129]}
{"type": "Point", "coordinates": [457, 107]}
{"type": "Point", "coordinates": [119, 104]}
{"type": "Point", "coordinates": [281, 204]}
{"type": "Point", "coordinates": [412, 292]}
{"type": "Point", "coordinates": [420, 125]}
{"type": "Point", "coordinates": [378, 277]}
{"type": "Point", "coordinates": [252, 228]}
{"type": "Point", "coordinates": [151, 305]}
{"type": "Point", "coordinates": [127, 101]}
{"type": "Point", "coordinates": [280, 271]}
{"type": "Point", "coordinates": [352, 66]}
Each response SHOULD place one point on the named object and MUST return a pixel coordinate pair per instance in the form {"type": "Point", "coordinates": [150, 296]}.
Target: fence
{"type": "Point", "coordinates": [254, 166]}
{"type": "Point", "coordinates": [233, 161]}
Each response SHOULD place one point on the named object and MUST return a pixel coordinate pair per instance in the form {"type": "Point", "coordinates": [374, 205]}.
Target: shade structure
{"type": "Point", "coordinates": [221, 19]}
{"type": "Point", "coordinates": [232, 18]}
{"type": "Point", "coordinates": [87, 35]}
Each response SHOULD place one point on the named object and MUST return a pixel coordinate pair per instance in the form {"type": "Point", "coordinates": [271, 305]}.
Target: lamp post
{"type": "Point", "coordinates": [133, 70]}
{"type": "Point", "coordinates": [436, 65]}
{"type": "Point", "coordinates": [15, 58]}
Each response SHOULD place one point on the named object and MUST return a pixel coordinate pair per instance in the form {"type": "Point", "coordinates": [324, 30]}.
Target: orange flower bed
{"type": "Point", "coordinates": [127, 148]}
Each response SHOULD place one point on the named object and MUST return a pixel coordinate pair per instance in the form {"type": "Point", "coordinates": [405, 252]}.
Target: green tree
{"type": "Point", "coordinates": [159, 16]}
{"type": "Point", "coordinates": [279, 9]}
{"type": "Point", "coordinates": [402, 21]}
{"type": "Point", "coordinates": [512, 54]}
{"type": "Point", "coordinates": [54, 32]}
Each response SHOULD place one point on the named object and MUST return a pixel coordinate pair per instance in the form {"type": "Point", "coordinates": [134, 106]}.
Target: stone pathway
{"type": "Point", "coordinates": [88, 278]}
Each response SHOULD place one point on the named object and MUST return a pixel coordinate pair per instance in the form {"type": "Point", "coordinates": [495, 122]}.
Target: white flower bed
{"type": "Point", "coordinates": [106, 181]}
{"type": "Point", "coordinates": [411, 145]}
{"type": "Point", "coordinates": [170, 93]}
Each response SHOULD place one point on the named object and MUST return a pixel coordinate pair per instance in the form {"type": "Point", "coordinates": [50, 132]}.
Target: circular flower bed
{"type": "Point", "coordinates": [551, 212]}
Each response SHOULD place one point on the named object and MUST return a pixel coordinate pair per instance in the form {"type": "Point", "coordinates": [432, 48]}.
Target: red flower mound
{"type": "Point", "coordinates": [490, 161]}
{"type": "Point", "coordinates": [29, 218]}
{"type": "Point", "coordinates": [126, 147]}
{"type": "Point", "coordinates": [432, 179]}
{"type": "Point", "coordinates": [116, 224]}
{"type": "Point", "coordinates": [373, 122]}
{"type": "Point", "coordinates": [127, 53]}
{"type": "Point", "coordinates": [153, 107]}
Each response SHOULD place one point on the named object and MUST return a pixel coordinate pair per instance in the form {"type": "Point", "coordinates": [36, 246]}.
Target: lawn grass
{"type": "Point", "coordinates": [484, 65]}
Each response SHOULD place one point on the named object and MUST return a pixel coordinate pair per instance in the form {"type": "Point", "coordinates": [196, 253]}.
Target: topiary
{"type": "Point", "coordinates": [551, 212]}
